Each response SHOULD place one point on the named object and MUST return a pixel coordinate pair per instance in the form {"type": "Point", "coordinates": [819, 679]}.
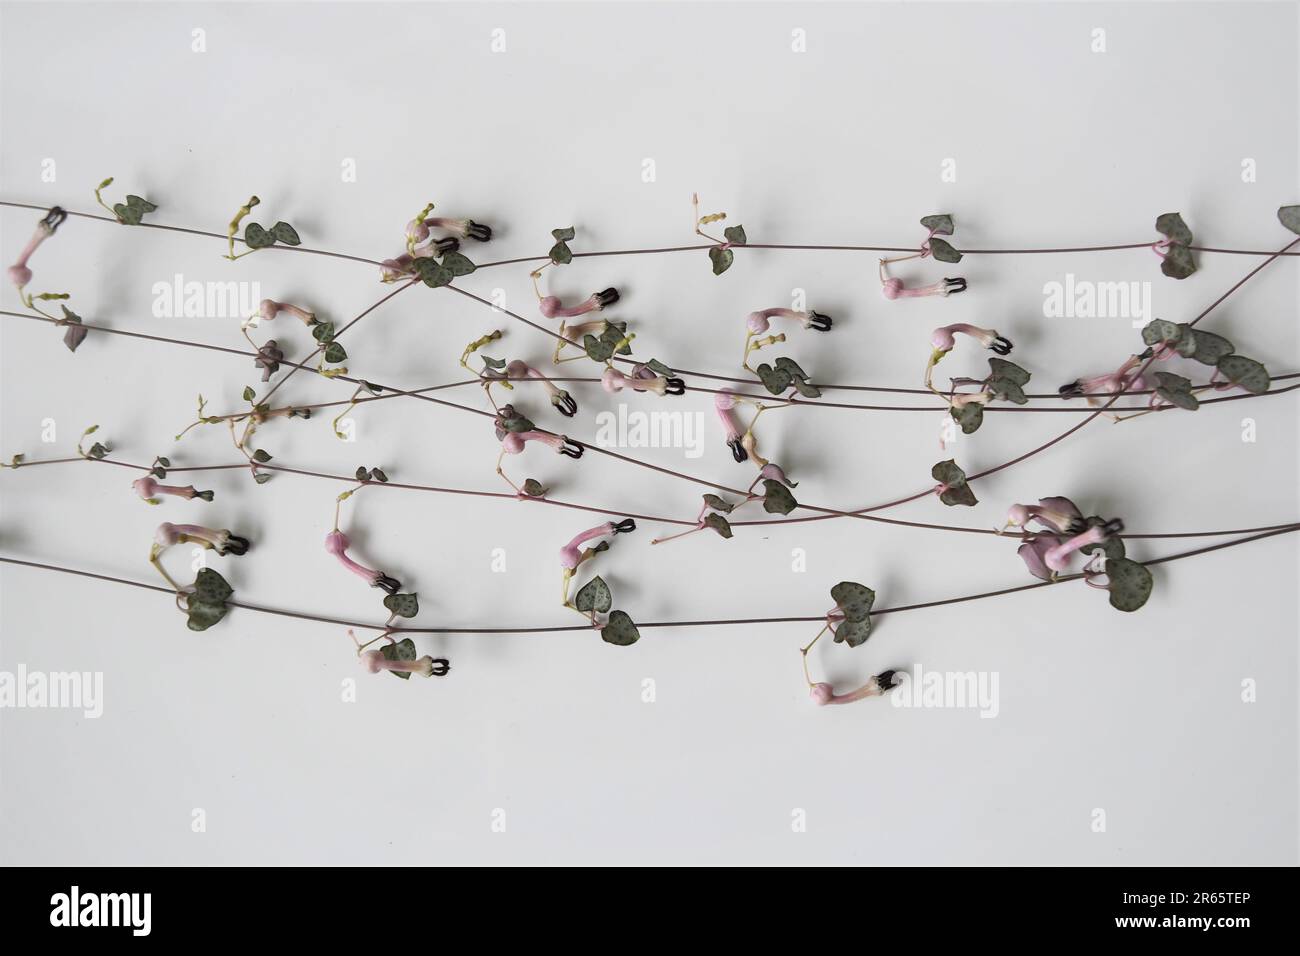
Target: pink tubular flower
{"type": "Point", "coordinates": [561, 399]}
{"type": "Point", "coordinates": [337, 544]}
{"type": "Point", "coordinates": [1058, 558]}
{"type": "Point", "coordinates": [775, 473]}
{"type": "Point", "coordinates": [461, 228]}
{"type": "Point", "coordinates": [221, 541]}
{"type": "Point", "coordinates": [552, 308]}
{"type": "Point", "coordinates": [19, 273]}
{"type": "Point", "coordinates": [893, 288]}
{"type": "Point", "coordinates": [642, 379]}
{"type": "Point", "coordinates": [944, 339]}
{"type": "Point", "coordinates": [1125, 378]}
{"type": "Point", "coordinates": [1058, 514]}
{"type": "Point", "coordinates": [512, 443]}
{"type": "Point", "coordinates": [390, 270]}
{"type": "Point", "coordinates": [149, 489]}
{"type": "Point", "coordinates": [436, 248]}
{"type": "Point", "coordinates": [375, 662]}
{"type": "Point", "coordinates": [823, 694]}
{"type": "Point", "coordinates": [724, 402]}
{"type": "Point", "coordinates": [1034, 554]}
{"type": "Point", "coordinates": [268, 309]}
{"type": "Point", "coordinates": [759, 322]}
{"type": "Point", "coordinates": [571, 553]}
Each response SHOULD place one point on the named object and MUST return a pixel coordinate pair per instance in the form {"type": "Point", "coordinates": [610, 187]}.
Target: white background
{"type": "Point", "coordinates": [1137, 715]}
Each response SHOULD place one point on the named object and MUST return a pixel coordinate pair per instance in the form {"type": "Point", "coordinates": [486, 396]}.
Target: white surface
{"type": "Point", "coordinates": [1138, 715]}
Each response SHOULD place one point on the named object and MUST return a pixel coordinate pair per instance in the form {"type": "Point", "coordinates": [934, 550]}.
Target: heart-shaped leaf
{"type": "Point", "coordinates": [1244, 372]}
{"type": "Point", "coordinates": [660, 368]}
{"type": "Point", "coordinates": [735, 235]}
{"type": "Point", "coordinates": [212, 587]}
{"type": "Point", "coordinates": [1001, 368]}
{"type": "Point", "coordinates": [533, 488]}
{"type": "Point", "coordinates": [593, 596]}
{"type": "Point", "coordinates": [139, 202]}
{"type": "Point", "coordinates": [718, 523]}
{"type": "Point", "coordinates": [458, 263]}
{"type": "Point", "coordinates": [721, 259]}
{"type": "Point", "coordinates": [1178, 262]}
{"type": "Point", "coordinates": [598, 350]}
{"type": "Point", "coordinates": [948, 473]}
{"type": "Point", "coordinates": [854, 600]}
{"type": "Point", "coordinates": [283, 232]}
{"type": "Point", "coordinates": [403, 650]}
{"type": "Point", "coordinates": [718, 504]}
{"type": "Point", "coordinates": [202, 614]}
{"type": "Point", "coordinates": [335, 353]}
{"type": "Point", "coordinates": [434, 274]}
{"type": "Point", "coordinates": [130, 215]}
{"type": "Point", "coordinates": [560, 253]}
{"type": "Point", "coordinates": [620, 630]}
{"type": "Point", "coordinates": [255, 237]}
{"type": "Point", "coordinates": [940, 225]}
{"type": "Point", "coordinates": [1176, 390]}
{"type": "Point", "coordinates": [853, 633]}
{"type": "Point", "coordinates": [323, 332]}
{"type": "Point", "coordinates": [1007, 390]}
{"type": "Point", "coordinates": [1208, 348]}
{"type": "Point", "coordinates": [774, 380]}
{"type": "Point", "coordinates": [961, 495]}
{"type": "Point", "coordinates": [403, 605]}
{"type": "Point", "coordinates": [943, 251]}
{"type": "Point", "coordinates": [1171, 226]}
{"type": "Point", "coordinates": [564, 235]}
{"type": "Point", "coordinates": [1130, 584]}
{"type": "Point", "coordinates": [777, 499]}
{"type": "Point", "coordinates": [1161, 332]}
{"type": "Point", "coordinates": [969, 416]}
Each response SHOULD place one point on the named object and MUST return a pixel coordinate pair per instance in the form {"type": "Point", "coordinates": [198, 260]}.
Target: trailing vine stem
{"type": "Point", "coordinates": [793, 247]}
{"type": "Point", "coordinates": [393, 392]}
{"type": "Point", "coordinates": [389, 629]}
{"type": "Point", "coordinates": [827, 513]}
{"type": "Point", "coordinates": [406, 486]}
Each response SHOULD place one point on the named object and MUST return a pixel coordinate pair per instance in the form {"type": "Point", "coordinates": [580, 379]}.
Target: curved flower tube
{"type": "Point", "coordinates": [1057, 558]}
{"type": "Point", "coordinates": [19, 273]}
{"type": "Point", "coordinates": [268, 309]}
{"type": "Point", "coordinates": [758, 322]}
{"type": "Point", "coordinates": [462, 228]}
{"type": "Point", "coordinates": [612, 380]}
{"type": "Point", "coordinates": [552, 307]}
{"type": "Point", "coordinates": [436, 248]}
{"type": "Point", "coordinates": [823, 693]}
{"type": "Point", "coordinates": [375, 662]}
{"type": "Point", "coordinates": [149, 489]}
{"type": "Point", "coordinates": [1059, 514]}
{"type": "Point", "coordinates": [573, 554]}
{"type": "Point", "coordinates": [1125, 378]}
{"type": "Point", "coordinates": [221, 541]}
{"type": "Point", "coordinates": [891, 287]}
{"type": "Point", "coordinates": [561, 399]}
{"type": "Point", "coordinates": [337, 544]}
{"type": "Point", "coordinates": [724, 403]}
{"type": "Point", "coordinates": [512, 443]}
{"type": "Point", "coordinates": [944, 339]}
